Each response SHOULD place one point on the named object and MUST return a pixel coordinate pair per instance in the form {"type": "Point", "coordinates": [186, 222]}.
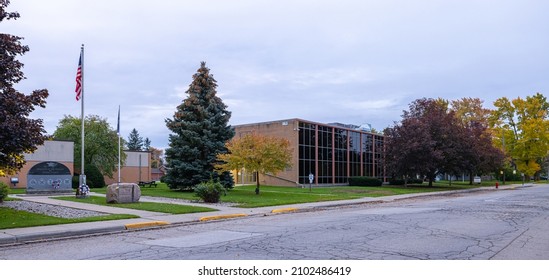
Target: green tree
{"type": "Point", "coordinates": [199, 132]}
{"type": "Point", "coordinates": [256, 153]}
{"type": "Point", "coordinates": [101, 142]}
{"type": "Point", "coordinates": [522, 130]}
{"type": "Point", "coordinates": [135, 142]}
{"type": "Point", "coordinates": [480, 155]}
{"type": "Point", "coordinates": [18, 133]}
{"type": "Point", "coordinates": [147, 144]}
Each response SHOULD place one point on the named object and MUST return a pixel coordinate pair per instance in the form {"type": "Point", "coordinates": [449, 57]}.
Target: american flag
{"type": "Point", "coordinates": [78, 89]}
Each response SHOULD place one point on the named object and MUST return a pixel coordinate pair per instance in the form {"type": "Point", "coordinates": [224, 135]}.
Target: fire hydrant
{"type": "Point", "coordinates": [497, 185]}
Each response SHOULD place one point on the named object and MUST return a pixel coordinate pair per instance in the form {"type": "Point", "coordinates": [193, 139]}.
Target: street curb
{"type": "Point", "coordinates": [145, 224]}
{"type": "Point", "coordinates": [37, 237]}
{"type": "Point", "coordinates": [284, 210]}
{"type": "Point", "coordinates": [219, 217]}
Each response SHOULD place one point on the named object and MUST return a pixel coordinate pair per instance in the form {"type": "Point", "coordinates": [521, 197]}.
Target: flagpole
{"type": "Point", "coordinates": [82, 173]}
{"type": "Point", "coordinates": [118, 130]}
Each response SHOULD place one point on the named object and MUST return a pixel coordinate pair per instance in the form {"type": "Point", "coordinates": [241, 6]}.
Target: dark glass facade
{"type": "Point", "coordinates": [333, 154]}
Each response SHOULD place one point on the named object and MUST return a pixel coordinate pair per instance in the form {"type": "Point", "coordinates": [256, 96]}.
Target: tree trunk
{"type": "Point", "coordinates": [471, 178]}
{"type": "Point", "coordinates": [257, 182]}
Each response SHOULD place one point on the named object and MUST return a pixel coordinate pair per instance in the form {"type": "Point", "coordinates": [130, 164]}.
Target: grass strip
{"type": "Point", "coordinates": [169, 208]}
{"type": "Point", "coordinates": [245, 197]}
{"type": "Point", "coordinates": [11, 218]}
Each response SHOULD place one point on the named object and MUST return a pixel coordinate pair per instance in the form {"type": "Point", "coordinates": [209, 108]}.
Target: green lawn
{"type": "Point", "coordinates": [245, 196]}
{"type": "Point", "coordinates": [270, 196]}
{"type": "Point", "coordinates": [146, 206]}
{"type": "Point", "coordinates": [10, 218]}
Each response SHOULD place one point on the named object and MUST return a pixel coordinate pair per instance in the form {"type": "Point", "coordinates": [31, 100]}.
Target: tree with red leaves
{"type": "Point", "coordinates": [18, 133]}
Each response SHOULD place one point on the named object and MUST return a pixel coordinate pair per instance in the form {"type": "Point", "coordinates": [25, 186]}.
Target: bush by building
{"type": "Point", "coordinates": [209, 191]}
{"type": "Point", "coordinates": [4, 190]}
{"type": "Point", "coordinates": [94, 178]}
{"type": "Point", "coordinates": [364, 181]}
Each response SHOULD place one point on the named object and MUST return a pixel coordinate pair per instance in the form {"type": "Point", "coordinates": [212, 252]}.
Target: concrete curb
{"type": "Point", "coordinates": [145, 224]}
{"type": "Point", "coordinates": [284, 210]}
{"type": "Point", "coordinates": [219, 217]}
{"type": "Point", "coordinates": [40, 236]}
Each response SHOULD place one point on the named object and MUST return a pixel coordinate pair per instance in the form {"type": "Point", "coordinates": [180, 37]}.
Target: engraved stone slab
{"type": "Point", "coordinates": [49, 177]}
{"type": "Point", "coordinates": [123, 193]}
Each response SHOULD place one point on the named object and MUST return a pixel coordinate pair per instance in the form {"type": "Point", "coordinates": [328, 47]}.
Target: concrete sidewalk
{"type": "Point", "coordinates": [153, 219]}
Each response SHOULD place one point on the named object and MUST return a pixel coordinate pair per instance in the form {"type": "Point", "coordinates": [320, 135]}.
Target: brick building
{"type": "Point", "coordinates": [331, 152]}
{"type": "Point", "coordinates": [51, 151]}
{"type": "Point", "coordinates": [136, 168]}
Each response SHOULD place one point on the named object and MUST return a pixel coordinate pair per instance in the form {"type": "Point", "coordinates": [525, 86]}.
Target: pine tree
{"type": "Point", "coordinates": [200, 130]}
{"type": "Point", "coordinates": [135, 142]}
{"type": "Point", "coordinates": [147, 144]}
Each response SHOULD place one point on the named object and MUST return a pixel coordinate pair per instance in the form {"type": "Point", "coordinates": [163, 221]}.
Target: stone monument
{"type": "Point", "coordinates": [49, 177]}
{"type": "Point", "coordinates": [123, 193]}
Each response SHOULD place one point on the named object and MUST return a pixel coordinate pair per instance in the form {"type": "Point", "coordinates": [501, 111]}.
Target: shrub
{"type": "Point", "coordinates": [75, 181]}
{"type": "Point", "coordinates": [364, 181]}
{"type": "Point", "coordinates": [209, 191]}
{"type": "Point", "coordinates": [94, 178]}
{"type": "Point", "coordinates": [4, 190]}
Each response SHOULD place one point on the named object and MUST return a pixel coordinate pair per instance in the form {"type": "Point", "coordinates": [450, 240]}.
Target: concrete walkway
{"type": "Point", "coordinates": [149, 219]}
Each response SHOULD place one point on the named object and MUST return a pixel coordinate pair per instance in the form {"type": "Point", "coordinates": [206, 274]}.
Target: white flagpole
{"type": "Point", "coordinates": [118, 132]}
{"type": "Point", "coordinates": [82, 173]}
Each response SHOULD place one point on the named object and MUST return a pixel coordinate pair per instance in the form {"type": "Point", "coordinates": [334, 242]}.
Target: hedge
{"type": "Point", "coordinates": [365, 181]}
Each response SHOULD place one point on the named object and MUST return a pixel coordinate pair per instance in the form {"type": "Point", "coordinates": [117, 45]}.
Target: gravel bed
{"type": "Point", "coordinates": [50, 210]}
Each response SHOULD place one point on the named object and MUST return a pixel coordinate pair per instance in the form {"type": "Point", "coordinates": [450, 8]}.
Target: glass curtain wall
{"type": "Point", "coordinates": [307, 155]}
{"type": "Point", "coordinates": [354, 153]}
{"type": "Point", "coordinates": [367, 155]}
{"type": "Point", "coordinates": [378, 158]}
{"type": "Point", "coordinates": [334, 154]}
{"type": "Point", "coordinates": [325, 155]}
{"type": "Point", "coordinates": [340, 148]}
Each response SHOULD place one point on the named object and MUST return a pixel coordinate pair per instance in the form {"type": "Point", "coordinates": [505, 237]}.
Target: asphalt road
{"type": "Point", "coordinates": [503, 224]}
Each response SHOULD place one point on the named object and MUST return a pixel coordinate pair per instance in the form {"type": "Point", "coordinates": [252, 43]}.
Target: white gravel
{"type": "Point", "coordinates": [50, 210]}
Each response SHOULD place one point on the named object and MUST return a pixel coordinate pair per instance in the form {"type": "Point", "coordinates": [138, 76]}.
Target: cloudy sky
{"type": "Point", "coordinates": [343, 61]}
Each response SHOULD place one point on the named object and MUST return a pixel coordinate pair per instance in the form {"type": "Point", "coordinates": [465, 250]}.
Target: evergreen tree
{"type": "Point", "coordinates": [135, 142]}
{"type": "Point", "coordinates": [147, 144]}
{"type": "Point", "coordinates": [19, 134]}
{"type": "Point", "coordinates": [200, 130]}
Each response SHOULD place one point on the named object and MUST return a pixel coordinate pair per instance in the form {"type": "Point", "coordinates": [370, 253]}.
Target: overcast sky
{"type": "Point", "coordinates": [342, 61]}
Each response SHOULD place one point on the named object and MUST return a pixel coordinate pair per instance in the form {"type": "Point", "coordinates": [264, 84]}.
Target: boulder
{"type": "Point", "coordinates": [123, 193]}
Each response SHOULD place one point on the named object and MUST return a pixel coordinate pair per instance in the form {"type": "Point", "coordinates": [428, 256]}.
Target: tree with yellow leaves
{"type": "Point", "coordinates": [522, 126]}
{"type": "Point", "coordinates": [256, 153]}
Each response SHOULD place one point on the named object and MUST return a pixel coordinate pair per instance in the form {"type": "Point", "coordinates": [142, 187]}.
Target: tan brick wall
{"type": "Point", "coordinates": [287, 129]}
{"type": "Point", "coordinates": [133, 171]}
{"type": "Point", "coordinates": [55, 150]}
{"type": "Point", "coordinates": [130, 174]}
{"type": "Point", "coordinates": [58, 151]}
